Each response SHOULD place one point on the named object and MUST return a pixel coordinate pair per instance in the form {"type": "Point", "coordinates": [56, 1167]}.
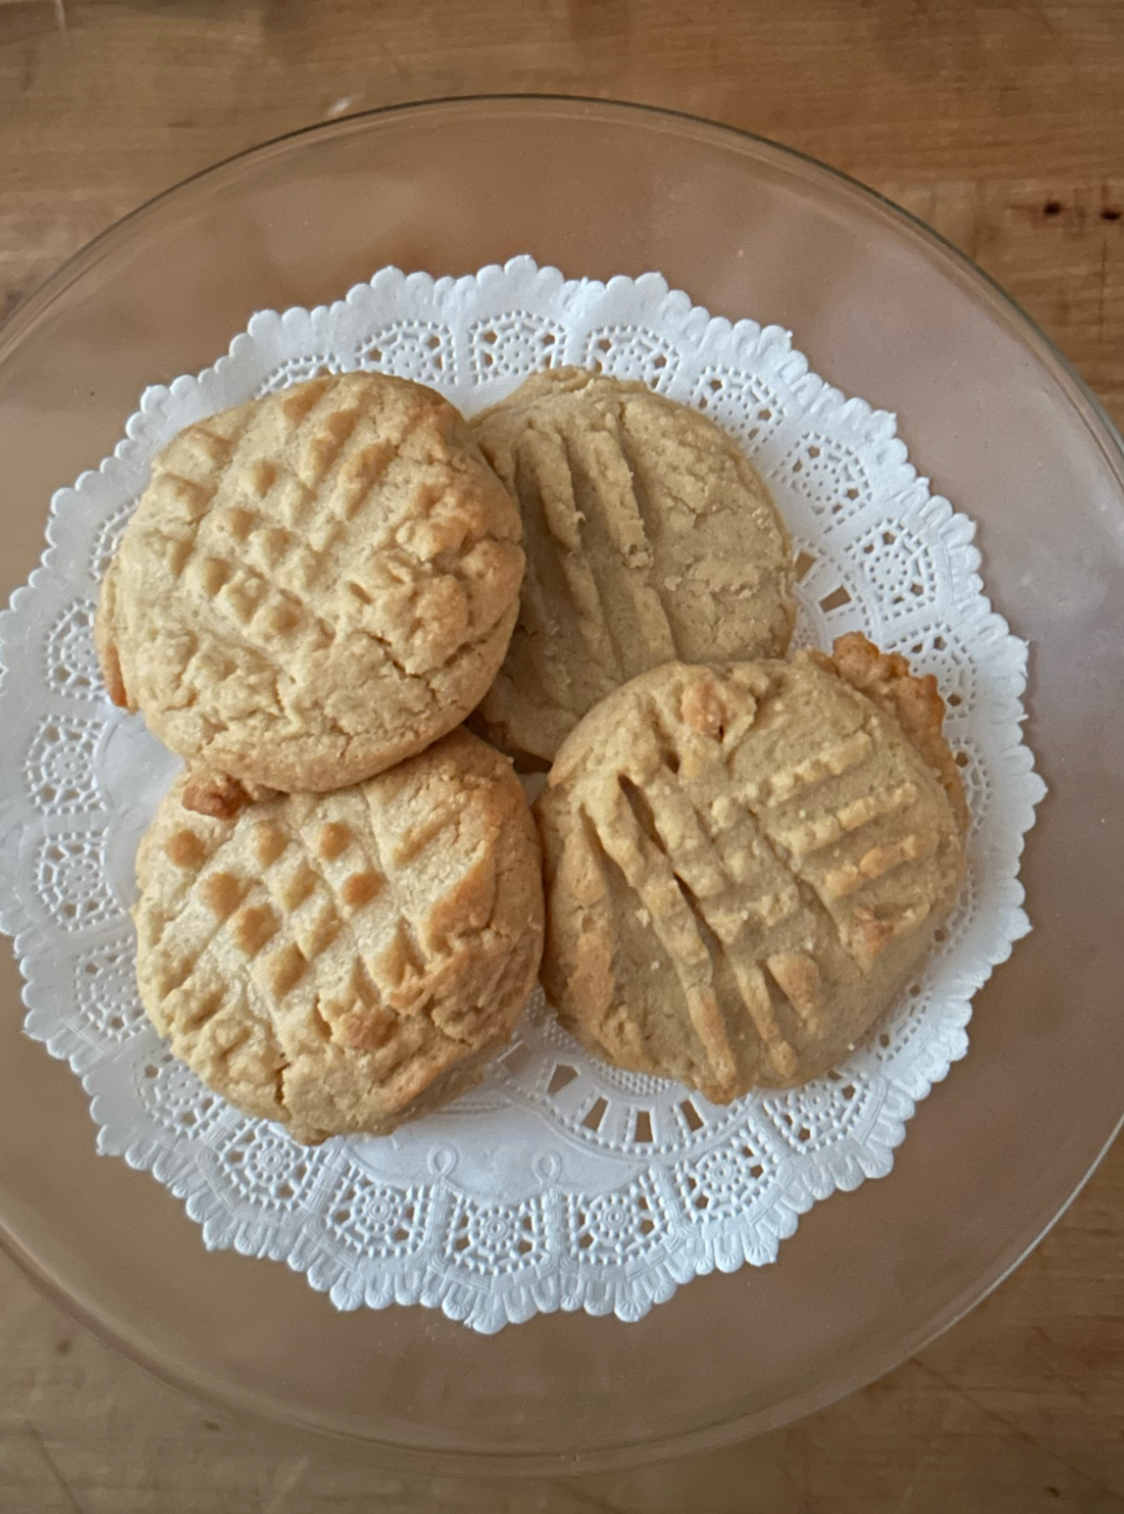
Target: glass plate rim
{"type": "Point", "coordinates": [31, 306]}
{"type": "Point", "coordinates": [19, 325]}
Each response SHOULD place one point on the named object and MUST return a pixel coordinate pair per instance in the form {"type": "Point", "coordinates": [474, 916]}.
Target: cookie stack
{"type": "Point", "coordinates": [745, 858]}
{"type": "Point", "coordinates": [341, 908]}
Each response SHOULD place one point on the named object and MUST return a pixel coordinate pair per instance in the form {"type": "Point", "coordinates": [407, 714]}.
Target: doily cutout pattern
{"type": "Point", "coordinates": [559, 1183]}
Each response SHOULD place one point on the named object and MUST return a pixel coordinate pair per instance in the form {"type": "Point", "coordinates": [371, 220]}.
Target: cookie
{"type": "Point", "coordinates": [314, 586]}
{"type": "Point", "coordinates": [649, 537]}
{"type": "Point", "coordinates": [343, 962]}
{"type": "Point", "coordinates": [745, 863]}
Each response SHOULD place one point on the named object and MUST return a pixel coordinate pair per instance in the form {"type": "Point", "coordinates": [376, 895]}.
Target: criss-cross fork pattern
{"type": "Point", "coordinates": [618, 608]}
{"type": "Point", "coordinates": [258, 545]}
{"type": "Point", "coordinates": [631, 551]}
{"type": "Point", "coordinates": [718, 882]}
{"type": "Point", "coordinates": [301, 903]}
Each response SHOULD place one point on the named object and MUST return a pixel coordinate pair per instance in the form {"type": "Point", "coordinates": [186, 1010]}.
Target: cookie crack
{"type": "Point", "coordinates": [427, 675]}
{"type": "Point", "coordinates": [394, 659]}
{"type": "Point", "coordinates": [279, 1091]}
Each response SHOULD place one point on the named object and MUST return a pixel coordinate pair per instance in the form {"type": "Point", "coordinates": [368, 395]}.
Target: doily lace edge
{"type": "Point", "coordinates": [631, 1295]}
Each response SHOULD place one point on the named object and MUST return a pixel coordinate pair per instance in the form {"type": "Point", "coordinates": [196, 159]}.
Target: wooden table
{"type": "Point", "coordinates": [1001, 125]}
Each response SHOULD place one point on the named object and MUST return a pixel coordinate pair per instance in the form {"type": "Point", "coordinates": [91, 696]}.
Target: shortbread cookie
{"type": "Point", "coordinates": [314, 586]}
{"type": "Point", "coordinates": [342, 962]}
{"type": "Point", "coordinates": [744, 863]}
{"type": "Point", "coordinates": [649, 538]}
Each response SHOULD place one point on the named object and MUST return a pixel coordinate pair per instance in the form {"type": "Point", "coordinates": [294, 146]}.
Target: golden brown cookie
{"type": "Point", "coordinates": [314, 586]}
{"type": "Point", "coordinates": [342, 962]}
{"type": "Point", "coordinates": [744, 863]}
{"type": "Point", "coordinates": [649, 538]}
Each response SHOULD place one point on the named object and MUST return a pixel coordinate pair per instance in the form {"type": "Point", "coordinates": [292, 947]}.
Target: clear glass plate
{"type": "Point", "coordinates": [883, 308]}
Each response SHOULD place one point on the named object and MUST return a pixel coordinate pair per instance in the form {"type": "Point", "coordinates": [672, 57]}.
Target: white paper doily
{"type": "Point", "coordinates": [560, 1183]}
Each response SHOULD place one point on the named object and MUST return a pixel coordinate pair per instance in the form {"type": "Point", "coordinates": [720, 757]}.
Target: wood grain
{"type": "Point", "coordinates": [1003, 126]}
{"type": "Point", "coordinates": [1017, 1410]}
